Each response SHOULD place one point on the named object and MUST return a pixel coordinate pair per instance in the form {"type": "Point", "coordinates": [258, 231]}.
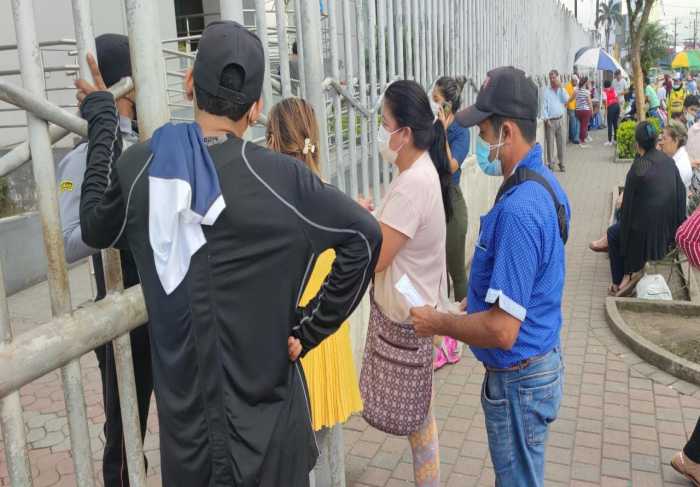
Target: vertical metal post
{"type": "Point", "coordinates": [416, 41]}
{"type": "Point", "coordinates": [313, 67]}
{"type": "Point", "coordinates": [148, 68]}
{"type": "Point", "coordinates": [440, 41]}
{"type": "Point", "coordinates": [113, 282]}
{"type": "Point", "coordinates": [425, 39]}
{"type": "Point", "coordinates": [281, 17]}
{"type": "Point", "coordinates": [337, 105]}
{"type": "Point", "coordinates": [350, 83]}
{"type": "Point", "coordinates": [408, 22]}
{"type": "Point", "coordinates": [400, 29]}
{"type": "Point", "coordinates": [391, 22]}
{"type": "Point", "coordinates": [232, 10]}
{"type": "Point", "coordinates": [45, 176]}
{"type": "Point", "coordinates": [381, 29]}
{"type": "Point", "coordinates": [372, 57]}
{"type": "Point", "coordinates": [300, 47]}
{"type": "Point", "coordinates": [381, 35]}
{"type": "Point", "coordinates": [261, 30]}
{"type": "Point", "coordinates": [362, 69]}
{"type": "Point", "coordinates": [423, 49]}
{"type": "Point", "coordinates": [11, 421]}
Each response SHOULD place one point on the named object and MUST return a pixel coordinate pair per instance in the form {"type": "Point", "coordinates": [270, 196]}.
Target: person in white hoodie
{"type": "Point", "coordinates": [672, 143]}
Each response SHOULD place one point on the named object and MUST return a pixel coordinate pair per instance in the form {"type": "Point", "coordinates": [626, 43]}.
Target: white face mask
{"type": "Point", "coordinates": [435, 107]}
{"type": "Point", "coordinates": [383, 138]}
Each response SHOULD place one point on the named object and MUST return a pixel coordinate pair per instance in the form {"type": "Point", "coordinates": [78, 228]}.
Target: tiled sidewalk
{"type": "Point", "coordinates": [620, 421]}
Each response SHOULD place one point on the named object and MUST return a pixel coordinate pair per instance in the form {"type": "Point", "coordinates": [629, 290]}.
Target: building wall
{"type": "Point", "coordinates": [54, 21]}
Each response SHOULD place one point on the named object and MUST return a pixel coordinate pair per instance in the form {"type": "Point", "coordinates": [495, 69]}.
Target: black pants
{"type": "Point", "coordinates": [613, 120]}
{"type": "Point", "coordinates": [114, 467]}
{"type": "Point", "coordinates": [617, 262]}
{"type": "Point", "coordinates": [692, 448]}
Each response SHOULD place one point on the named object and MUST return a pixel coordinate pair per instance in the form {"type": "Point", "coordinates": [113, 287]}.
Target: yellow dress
{"type": "Point", "coordinates": [329, 368]}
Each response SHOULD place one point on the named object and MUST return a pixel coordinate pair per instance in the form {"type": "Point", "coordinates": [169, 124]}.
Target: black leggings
{"type": "Point", "coordinates": [613, 119]}
{"type": "Point", "coordinates": [692, 448]}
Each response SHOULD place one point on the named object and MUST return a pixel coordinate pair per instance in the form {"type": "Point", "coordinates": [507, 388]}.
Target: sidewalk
{"type": "Point", "coordinates": [620, 422]}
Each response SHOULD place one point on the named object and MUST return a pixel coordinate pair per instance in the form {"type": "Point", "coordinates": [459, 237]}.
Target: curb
{"type": "Point", "coordinates": [652, 353]}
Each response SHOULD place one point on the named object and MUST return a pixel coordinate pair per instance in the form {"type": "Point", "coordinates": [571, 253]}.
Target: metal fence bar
{"type": "Point", "coordinates": [400, 29]}
{"type": "Point", "coordinates": [11, 421]}
{"type": "Point", "coordinates": [434, 9]}
{"type": "Point", "coordinates": [57, 276]}
{"type": "Point", "coordinates": [22, 153]}
{"type": "Point", "coordinates": [337, 105]}
{"type": "Point", "coordinates": [364, 162]}
{"type": "Point", "coordinates": [281, 17]}
{"type": "Point", "coordinates": [381, 36]}
{"type": "Point", "coordinates": [373, 86]}
{"type": "Point", "coordinates": [39, 106]}
{"type": "Point", "coordinates": [391, 23]}
{"type": "Point", "coordinates": [408, 22]}
{"type": "Point", "coordinates": [313, 67]}
{"type": "Point", "coordinates": [422, 54]}
{"type": "Point", "coordinates": [350, 83]}
{"type": "Point", "coordinates": [415, 40]}
{"type": "Point", "coordinates": [381, 29]}
{"type": "Point", "coordinates": [300, 47]}
{"type": "Point", "coordinates": [261, 29]}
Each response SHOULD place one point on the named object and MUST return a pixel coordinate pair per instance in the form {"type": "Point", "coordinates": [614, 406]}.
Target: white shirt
{"type": "Point", "coordinates": [620, 87]}
{"type": "Point", "coordinates": [682, 161]}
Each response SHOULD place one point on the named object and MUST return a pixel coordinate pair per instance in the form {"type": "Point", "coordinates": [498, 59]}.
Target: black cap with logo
{"type": "Point", "coordinates": [224, 43]}
{"type": "Point", "coordinates": [507, 92]}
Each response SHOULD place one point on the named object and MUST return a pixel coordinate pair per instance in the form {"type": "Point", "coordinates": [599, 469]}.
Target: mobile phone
{"type": "Point", "coordinates": [447, 107]}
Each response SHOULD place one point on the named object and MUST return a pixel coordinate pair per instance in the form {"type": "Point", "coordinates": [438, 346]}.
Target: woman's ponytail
{"type": "Point", "coordinates": [438, 153]}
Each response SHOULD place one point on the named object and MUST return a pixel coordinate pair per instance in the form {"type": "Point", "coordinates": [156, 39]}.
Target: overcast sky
{"type": "Point", "coordinates": [669, 10]}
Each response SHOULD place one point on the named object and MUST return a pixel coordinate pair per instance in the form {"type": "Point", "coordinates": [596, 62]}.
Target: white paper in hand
{"type": "Point", "coordinates": [409, 292]}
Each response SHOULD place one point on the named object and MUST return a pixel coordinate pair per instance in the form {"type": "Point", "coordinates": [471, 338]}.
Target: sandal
{"type": "Point", "coordinates": [612, 290]}
{"type": "Point", "coordinates": [629, 288]}
{"type": "Point", "coordinates": [678, 464]}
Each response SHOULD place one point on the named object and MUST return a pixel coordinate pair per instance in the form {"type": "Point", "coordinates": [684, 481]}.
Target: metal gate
{"type": "Point", "coordinates": [367, 44]}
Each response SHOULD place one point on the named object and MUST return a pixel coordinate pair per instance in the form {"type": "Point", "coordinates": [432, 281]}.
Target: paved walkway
{"type": "Point", "coordinates": [620, 421]}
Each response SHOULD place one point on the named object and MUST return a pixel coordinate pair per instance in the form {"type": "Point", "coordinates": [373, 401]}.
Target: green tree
{"type": "Point", "coordinates": [654, 45]}
{"type": "Point", "coordinates": [609, 14]}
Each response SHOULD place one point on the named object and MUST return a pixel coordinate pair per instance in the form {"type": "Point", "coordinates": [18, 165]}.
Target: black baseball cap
{"type": "Point", "coordinates": [224, 43]}
{"type": "Point", "coordinates": [113, 57]}
{"type": "Point", "coordinates": [507, 92]}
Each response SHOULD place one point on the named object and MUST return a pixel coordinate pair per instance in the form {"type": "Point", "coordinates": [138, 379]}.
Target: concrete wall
{"type": "Point", "coordinates": [22, 251]}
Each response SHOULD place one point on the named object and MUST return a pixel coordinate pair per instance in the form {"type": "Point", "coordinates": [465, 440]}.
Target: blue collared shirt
{"type": "Point", "coordinates": [458, 139]}
{"type": "Point", "coordinates": [554, 105]}
{"type": "Point", "coordinates": [519, 265]}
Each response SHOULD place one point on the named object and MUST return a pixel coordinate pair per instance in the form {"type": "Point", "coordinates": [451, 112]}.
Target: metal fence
{"type": "Point", "coordinates": [369, 43]}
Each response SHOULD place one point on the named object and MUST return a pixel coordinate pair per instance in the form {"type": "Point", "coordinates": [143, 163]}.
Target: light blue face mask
{"type": "Point", "coordinates": [490, 168]}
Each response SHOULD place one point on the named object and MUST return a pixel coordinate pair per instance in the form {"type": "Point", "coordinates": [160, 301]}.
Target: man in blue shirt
{"type": "Point", "coordinates": [514, 316]}
{"type": "Point", "coordinates": [553, 110]}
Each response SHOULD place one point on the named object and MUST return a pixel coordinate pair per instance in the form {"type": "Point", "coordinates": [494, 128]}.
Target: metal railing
{"type": "Point", "coordinates": [370, 43]}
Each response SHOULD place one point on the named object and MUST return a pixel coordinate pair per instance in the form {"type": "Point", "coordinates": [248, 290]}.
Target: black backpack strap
{"type": "Point", "coordinates": [523, 174]}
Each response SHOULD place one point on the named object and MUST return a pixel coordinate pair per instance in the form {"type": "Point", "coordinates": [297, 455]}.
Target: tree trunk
{"type": "Point", "coordinates": [638, 76]}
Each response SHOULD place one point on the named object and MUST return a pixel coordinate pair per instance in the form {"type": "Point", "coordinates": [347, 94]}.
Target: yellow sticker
{"type": "Point", "coordinates": [66, 186]}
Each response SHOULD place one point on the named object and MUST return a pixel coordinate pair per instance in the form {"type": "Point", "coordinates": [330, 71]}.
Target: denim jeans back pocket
{"type": "Point", "coordinates": [540, 396]}
{"type": "Point", "coordinates": [498, 428]}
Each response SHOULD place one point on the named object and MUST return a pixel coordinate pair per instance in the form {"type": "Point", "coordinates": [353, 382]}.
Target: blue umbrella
{"type": "Point", "coordinates": [597, 58]}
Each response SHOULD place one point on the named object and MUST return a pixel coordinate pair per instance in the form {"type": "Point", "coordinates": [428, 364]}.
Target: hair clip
{"type": "Point", "coordinates": [308, 147]}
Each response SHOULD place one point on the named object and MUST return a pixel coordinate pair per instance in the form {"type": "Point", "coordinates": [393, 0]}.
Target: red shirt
{"type": "Point", "coordinates": [610, 96]}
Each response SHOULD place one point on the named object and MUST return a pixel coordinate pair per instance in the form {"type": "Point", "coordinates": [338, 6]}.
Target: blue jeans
{"type": "Point", "coordinates": [573, 126]}
{"type": "Point", "coordinates": [519, 406]}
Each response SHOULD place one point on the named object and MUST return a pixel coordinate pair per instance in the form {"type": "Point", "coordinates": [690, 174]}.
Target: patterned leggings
{"type": "Point", "coordinates": [426, 453]}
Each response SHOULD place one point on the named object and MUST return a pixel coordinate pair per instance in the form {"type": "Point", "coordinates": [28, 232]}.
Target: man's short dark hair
{"type": "Point", "coordinates": [294, 48]}
{"type": "Point", "coordinates": [618, 72]}
{"type": "Point", "coordinates": [527, 127]}
{"type": "Point", "coordinates": [554, 72]}
{"type": "Point", "coordinates": [231, 78]}
{"type": "Point", "coordinates": [607, 83]}
{"type": "Point", "coordinates": [691, 101]}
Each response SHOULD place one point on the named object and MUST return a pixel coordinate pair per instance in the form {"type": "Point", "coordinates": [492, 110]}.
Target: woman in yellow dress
{"type": "Point", "coordinates": [330, 372]}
